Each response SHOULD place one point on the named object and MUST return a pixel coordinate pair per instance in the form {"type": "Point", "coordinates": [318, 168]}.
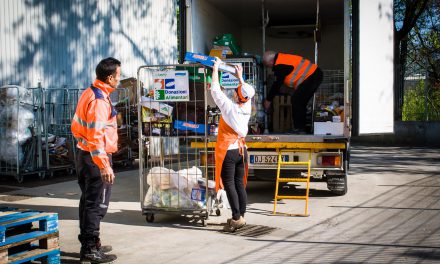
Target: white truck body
{"type": "Point", "coordinates": [356, 37]}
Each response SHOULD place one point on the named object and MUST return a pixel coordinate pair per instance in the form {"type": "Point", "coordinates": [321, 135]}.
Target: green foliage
{"type": "Point", "coordinates": [417, 108]}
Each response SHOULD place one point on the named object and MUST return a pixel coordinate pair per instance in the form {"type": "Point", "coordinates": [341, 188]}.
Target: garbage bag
{"type": "Point", "coordinates": [10, 150]}
{"type": "Point", "coordinates": [9, 94]}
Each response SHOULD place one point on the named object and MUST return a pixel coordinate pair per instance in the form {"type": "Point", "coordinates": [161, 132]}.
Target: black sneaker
{"type": "Point", "coordinates": [95, 256]}
{"type": "Point", "coordinates": [103, 249]}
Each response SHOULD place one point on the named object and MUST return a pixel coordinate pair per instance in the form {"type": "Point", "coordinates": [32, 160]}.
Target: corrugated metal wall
{"type": "Point", "coordinates": [60, 42]}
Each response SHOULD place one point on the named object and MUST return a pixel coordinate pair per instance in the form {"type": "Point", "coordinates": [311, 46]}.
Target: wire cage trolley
{"type": "Point", "coordinates": [172, 118]}
{"type": "Point", "coordinates": [20, 131]}
{"type": "Point", "coordinates": [330, 107]}
{"type": "Point", "coordinates": [58, 141]}
{"type": "Point", "coordinates": [121, 102]}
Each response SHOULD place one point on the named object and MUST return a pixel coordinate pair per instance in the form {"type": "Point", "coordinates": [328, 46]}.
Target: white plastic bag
{"type": "Point", "coordinates": [223, 198]}
{"type": "Point", "coordinates": [160, 177]}
{"type": "Point", "coordinates": [10, 150]}
{"type": "Point", "coordinates": [12, 93]}
{"type": "Point", "coordinates": [187, 179]}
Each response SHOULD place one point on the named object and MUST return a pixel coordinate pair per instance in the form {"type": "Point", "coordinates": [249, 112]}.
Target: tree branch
{"type": "Point", "coordinates": [412, 14]}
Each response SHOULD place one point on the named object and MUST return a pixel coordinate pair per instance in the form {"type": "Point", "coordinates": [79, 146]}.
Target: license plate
{"type": "Point", "coordinates": [261, 159]}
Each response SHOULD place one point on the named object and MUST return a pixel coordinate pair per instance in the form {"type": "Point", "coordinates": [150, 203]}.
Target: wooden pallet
{"type": "Point", "coordinates": [27, 235]}
{"type": "Point", "coordinates": [282, 115]}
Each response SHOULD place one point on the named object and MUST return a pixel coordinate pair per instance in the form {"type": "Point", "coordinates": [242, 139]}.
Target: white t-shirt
{"type": "Point", "coordinates": [235, 115]}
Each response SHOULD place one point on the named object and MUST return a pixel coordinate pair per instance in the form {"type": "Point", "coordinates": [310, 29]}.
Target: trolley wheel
{"type": "Point", "coordinates": [149, 218]}
{"type": "Point", "coordinates": [19, 178]}
{"type": "Point", "coordinates": [41, 175]}
{"type": "Point", "coordinates": [218, 212]}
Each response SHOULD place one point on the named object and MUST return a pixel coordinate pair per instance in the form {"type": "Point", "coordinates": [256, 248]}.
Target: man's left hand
{"type": "Point", "coordinates": [107, 175]}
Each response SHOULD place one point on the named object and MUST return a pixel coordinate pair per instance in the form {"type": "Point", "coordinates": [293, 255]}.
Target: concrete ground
{"type": "Point", "coordinates": [391, 214]}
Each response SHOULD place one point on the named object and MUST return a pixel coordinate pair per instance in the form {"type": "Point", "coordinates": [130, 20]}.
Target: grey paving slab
{"type": "Point", "coordinates": [389, 215]}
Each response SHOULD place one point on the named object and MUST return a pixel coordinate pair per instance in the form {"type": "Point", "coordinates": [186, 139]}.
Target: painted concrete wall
{"type": "Point", "coordinates": [60, 42]}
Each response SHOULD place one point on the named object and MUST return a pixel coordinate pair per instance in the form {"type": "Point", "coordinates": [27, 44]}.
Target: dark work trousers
{"type": "Point", "coordinates": [95, 197]}
{"type": "Point", "coordinates": [302, 96]}
{"type": "Point", "coordinates": [232, 178]}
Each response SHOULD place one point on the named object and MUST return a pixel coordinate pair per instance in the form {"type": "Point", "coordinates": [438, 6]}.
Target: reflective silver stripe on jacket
{"type": "Point", "coordinates": [97, 152]}
{"type": "Point", "coordinates": [296, 71]}
{"type": "Point", "coordinates": [96, 125]}
{"type": "Point", "coordinates": [303, 75]}
{"type": "Point", "coordinates": [81, 140]}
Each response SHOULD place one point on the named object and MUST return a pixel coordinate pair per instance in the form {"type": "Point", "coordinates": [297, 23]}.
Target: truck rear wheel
{"type": "Point", "coordinates": [337, 184]}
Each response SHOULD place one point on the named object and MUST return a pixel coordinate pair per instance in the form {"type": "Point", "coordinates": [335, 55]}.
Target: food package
{"type": "Point", "coordinates": [160, 107]}
{"type": "Point", "coordinates": [221, 53]}
{"type": "Point", "coordinates": [226, 42]}
{"type": "Point", "coordinates": [208, 61]}
{"type": "Point", "coordinates": [189, 126]}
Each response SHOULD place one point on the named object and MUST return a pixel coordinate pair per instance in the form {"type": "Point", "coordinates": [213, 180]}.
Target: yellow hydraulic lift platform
{"type": "Point", "coordinates": [286, 147]}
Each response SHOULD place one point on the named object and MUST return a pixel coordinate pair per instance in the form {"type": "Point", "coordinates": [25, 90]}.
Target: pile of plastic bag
{"type": "Point", "coordinates": [16, 117]}
{"type": "Point", "coordinates": [176, 189]}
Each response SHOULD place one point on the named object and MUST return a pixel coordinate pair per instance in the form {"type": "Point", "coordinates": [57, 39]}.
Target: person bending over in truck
{"type": "Point", "coordinates": [297, 73]}
{"type": "Point", "coordinates": [230, 149]}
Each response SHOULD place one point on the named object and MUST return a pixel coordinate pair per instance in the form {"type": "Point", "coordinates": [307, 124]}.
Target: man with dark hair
{"type": "Point", "coordinates": [298, 73]}
{"type": "Point", "coordinates": [94, 127]}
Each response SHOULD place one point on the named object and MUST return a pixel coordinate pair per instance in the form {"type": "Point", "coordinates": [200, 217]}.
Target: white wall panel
{"type": "Point", "coordinates": [207, 23]}
{"type": "Point", "coordinates": [60, 42]}
{"type": "Point", "coordinates": [376, 66]}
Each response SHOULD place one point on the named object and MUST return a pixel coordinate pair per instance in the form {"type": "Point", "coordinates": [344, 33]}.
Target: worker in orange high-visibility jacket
{"type": "Point", "coordinates": [297, 73]}
{"type": "Point", "coordinates": [94, 127]}
{"type": "Point", "coordinates": [231, 167]}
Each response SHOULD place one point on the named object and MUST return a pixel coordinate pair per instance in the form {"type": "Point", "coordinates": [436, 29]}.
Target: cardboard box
{"type": "Point", "coordinates": [208, 61]}
{"type": "Point", "coordinates": [221, 53]}
{"type": "Point", "coordinates": [189, 126]}
{"type": "Point", "coordinates": [228, 41]}
{"type": "Point", "coordinates": [329, 128]}
{"type": "Point", "coordinates": [131, 85]}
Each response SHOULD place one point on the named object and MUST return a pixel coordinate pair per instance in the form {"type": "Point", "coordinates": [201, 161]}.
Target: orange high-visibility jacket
{"type": "Point", "coordinates": [303, 68]}
{"type": "Point", "coordinates": [94, 125]}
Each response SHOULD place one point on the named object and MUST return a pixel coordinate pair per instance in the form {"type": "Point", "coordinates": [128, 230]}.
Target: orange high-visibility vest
{"type": "Point", "coordinates": [226, 137]}
{"type": "Point", "coordinates": [303, 68]}
{"type": "Point", "coordinates": [94, 125]}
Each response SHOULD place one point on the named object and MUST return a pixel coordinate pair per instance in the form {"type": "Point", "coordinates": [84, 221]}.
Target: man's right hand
{"type": "Point", "coordinates": [217, 62]}
{"type": "Point", "coordinates": [107, 175]}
